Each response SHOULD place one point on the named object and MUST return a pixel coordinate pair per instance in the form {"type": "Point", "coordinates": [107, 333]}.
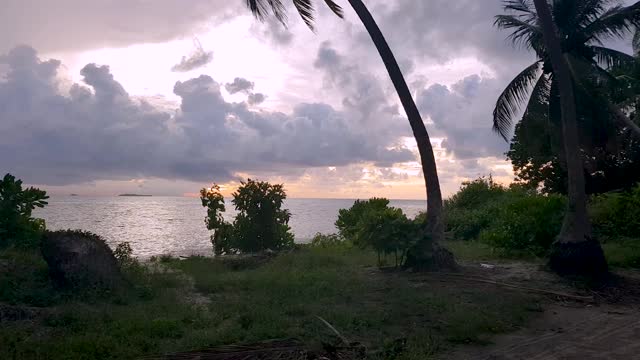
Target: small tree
{"type": "Point", "coordinates": [349, 219]}
{"type": "Point", "coordinates": [17, 227]}
{"type": "Point", "coordinates": [387, 230]}
{"type": "Point", "coordinates": [260, 224]}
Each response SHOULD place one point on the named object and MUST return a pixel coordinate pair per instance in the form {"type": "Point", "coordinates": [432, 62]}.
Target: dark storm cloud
{"type": "Point", "coordinates": [97, 131]}
{"type": "Point", "coordinates": [239, 85]}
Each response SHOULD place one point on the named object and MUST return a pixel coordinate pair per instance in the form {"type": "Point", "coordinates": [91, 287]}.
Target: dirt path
{"type": "Point", "coordinates": [567, 333]}
{"type": "Point", "coordinates": [564, 330]}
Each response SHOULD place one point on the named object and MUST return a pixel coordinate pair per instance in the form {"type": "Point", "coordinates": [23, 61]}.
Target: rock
{"type": "Point", "coordinates": [79, 259]}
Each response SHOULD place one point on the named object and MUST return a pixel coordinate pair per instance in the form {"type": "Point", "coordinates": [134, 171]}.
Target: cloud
{"type": "Point", "coordinates": [238, 85]}
{"type": "Point", "coordinates": [197, 59]}
{"type": "Point", "coordinates": [256, 98]}
{"type": "Point", "coordinates": [462, 114]}
{"type": "Point", "coordinates": [68, 25]}
{"type": "Point", "coordinates": [95, 130]}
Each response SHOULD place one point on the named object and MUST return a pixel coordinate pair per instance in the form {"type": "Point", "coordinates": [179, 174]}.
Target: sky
{"type": "Point", "coordinates": [165, 97]}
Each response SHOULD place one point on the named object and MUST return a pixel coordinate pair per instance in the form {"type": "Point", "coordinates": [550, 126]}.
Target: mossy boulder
{"type": "Point", "coordinates": [80, 259]}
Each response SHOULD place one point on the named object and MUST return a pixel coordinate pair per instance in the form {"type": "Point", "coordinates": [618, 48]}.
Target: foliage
{"type": "Point", "coordinates": [260, 223]}
{"type": "Point", "coordinates": [387, 230]}
{"type": "Point", "coordinates": [124, 255]}
{"type": "Point", "coordinates": [328, 240]}
{"type": "Point", "coordinates": [17, 227]}
{"type": "Point", "coordinates": [515, 218]}
{"type": "Point", "coordinates": [617, 214]}
{"type": "Point", "coordinates": [610, 153]}
{"type": "Point", "coordinates": [467, 211]}
{"type": "Point", "coordinates": [525, 222]}
{"type": "Point", "coordinates": [348, 219]}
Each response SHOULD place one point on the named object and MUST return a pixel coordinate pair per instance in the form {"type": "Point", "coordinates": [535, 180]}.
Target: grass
{"type": "Point", "coordinates": [621, 253]}
{"type": "Point", "coordinates": [278, 299]}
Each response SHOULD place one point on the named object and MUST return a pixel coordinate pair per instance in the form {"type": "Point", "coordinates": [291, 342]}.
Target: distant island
{"type": "Point", "coordinates": [134, 195]}
{"type": "Point", "coordinates": [73, 195]}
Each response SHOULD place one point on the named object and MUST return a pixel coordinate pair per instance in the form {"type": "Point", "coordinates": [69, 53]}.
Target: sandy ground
{"type": "Point", "coordinates": [608, 328]}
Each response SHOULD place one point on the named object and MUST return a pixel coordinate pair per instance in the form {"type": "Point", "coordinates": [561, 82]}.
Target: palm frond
{"type": "Point", "coordinates": [610, 58]}
{"type": "Point", "coordinates": [589, 10]}
{"type": "Point", "coordinates": [512, 97]}
{"type": "Point", "coordinates": [523, 7]}
{"type": "Point", "coordinates": [617, 21]}
{"type": "Point", "coordinates": [337, 9]}
{"type": "Point", "coordinates": [305, 9]}
{"type": "Point", "coordinates": [262, 8]}
{"type": "Point", "coordinates": [524, 33]}
{"type": "Point", "coordinates": [636, 42]}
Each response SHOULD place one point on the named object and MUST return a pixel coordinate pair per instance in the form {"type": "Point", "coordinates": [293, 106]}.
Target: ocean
{"type": "Point", "coordinates": [175, 225]}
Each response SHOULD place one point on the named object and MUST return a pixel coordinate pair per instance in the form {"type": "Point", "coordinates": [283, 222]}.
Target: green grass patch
{"type": "Point", "coordinates": [278, 299]}
{"type": "Point", "coordinates": [623, 253]}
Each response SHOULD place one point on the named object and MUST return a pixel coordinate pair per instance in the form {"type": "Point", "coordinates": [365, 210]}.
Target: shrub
{"type": "Point", "coordinates": [525, 222]}
{"type": "Point", "coordinates": [124, 255]}
{"type": "Point", "coordinates": [511, 218]}
{"type": "Point", "coordinates": [348, 219]}
{"type": "Point", "coordinates": [616, 214]}
{"type": "Point", "coordinates": [260, 224]}
{"type": "Point", "coordinates": [327, 240]}
{"type": "Point", "coordinates": [17, 227]}
{"type": "Point", "coordinates": [373, 224]}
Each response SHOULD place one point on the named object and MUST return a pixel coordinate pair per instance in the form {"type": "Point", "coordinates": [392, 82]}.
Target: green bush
{"type": "Point", "coordinates": [510, 218]}
{"type": "Point", "coordinates": [17, 227]}
{"type": "Point", "coordinates": [525, 222]}
{"type": "Point", "coordinates": [348, 219]}
{"type": "Point", "coordinates": [328, 240]}
{"type": "Point", "coordinates": [472, 208]}
{"type": "Point", "coordinates": [373, 224]}
{"type": "Point", "coordinates": [260, 224]}
{"type": "Point", "coordinates": [616, 215]}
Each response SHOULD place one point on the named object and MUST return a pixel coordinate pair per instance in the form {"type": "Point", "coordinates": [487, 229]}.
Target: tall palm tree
{"type": "Point", "coordinates": [575, 251]}
{"type": "Point", "coordinates": [428, 252]}
{"type": "Point", "coordinates": [583, 26]}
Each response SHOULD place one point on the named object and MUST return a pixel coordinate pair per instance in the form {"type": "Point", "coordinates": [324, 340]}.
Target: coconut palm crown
{"type": "Point", "coordinates": [583, 26]}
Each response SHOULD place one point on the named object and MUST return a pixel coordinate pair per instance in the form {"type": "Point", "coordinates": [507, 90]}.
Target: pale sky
{"type": "Point", "coordinates": [164, 97]}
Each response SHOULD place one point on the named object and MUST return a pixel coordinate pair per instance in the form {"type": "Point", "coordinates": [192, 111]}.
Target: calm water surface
{"type": "Point", "coordinates": [175, 225]}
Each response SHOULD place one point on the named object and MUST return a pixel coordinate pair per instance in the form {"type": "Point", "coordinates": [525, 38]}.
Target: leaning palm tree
{"type": "Point", "coordinates": [427, 253]}
{"type": "Point", "coordinates": [575, 251]}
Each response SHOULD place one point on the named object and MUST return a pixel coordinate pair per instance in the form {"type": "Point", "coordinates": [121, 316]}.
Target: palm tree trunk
{"type": "Point", "coordinates": [574, 251]}
{"type": "Point", "coordinates": [429, 249]}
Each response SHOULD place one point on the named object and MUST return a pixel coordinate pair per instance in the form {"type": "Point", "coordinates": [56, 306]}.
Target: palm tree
{"type": "Point", "coordinates": [582, 26]}
{"type": "Point", "coordinates": [426, 253]}
{"type": "Point", "coordinates": [566, 40]}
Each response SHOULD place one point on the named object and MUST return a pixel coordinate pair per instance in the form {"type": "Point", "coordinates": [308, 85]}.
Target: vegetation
{"type": "Point", "coordinates": [261, 223]}
{"type": "Point", "coordinates": [17, 227]}
{"type": "Point", "coordinates": [426, 253]}
{"type": "Point", "coordinates": [498, 221]}
{"type": "Point", "coordinates": [387, 230]}
{"type": "Point", "coordinates": [163, 312]}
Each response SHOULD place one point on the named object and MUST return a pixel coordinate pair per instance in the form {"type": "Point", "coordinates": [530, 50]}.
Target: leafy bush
{"type": "Point", "coordinates": [349, 219]}
{"type": "Point", "coordinates": [260, 224]}
{"type": "Point", "coordinates": [17, 227]}
{"type": "Point", "coordinates": [469, 211]}
{"type": "Point", "coordinates": [511, 218]}
{"type": "Point", "coordinates": [617, 214]}
{"type": "Point", "coordinates": [387, 230]}
{"type": "Point", "coordinates": [327, 240]}
{"type": "Point", "coordinates": [525, 222]}
{"type": "Point", "coordinates": [124, 255]}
